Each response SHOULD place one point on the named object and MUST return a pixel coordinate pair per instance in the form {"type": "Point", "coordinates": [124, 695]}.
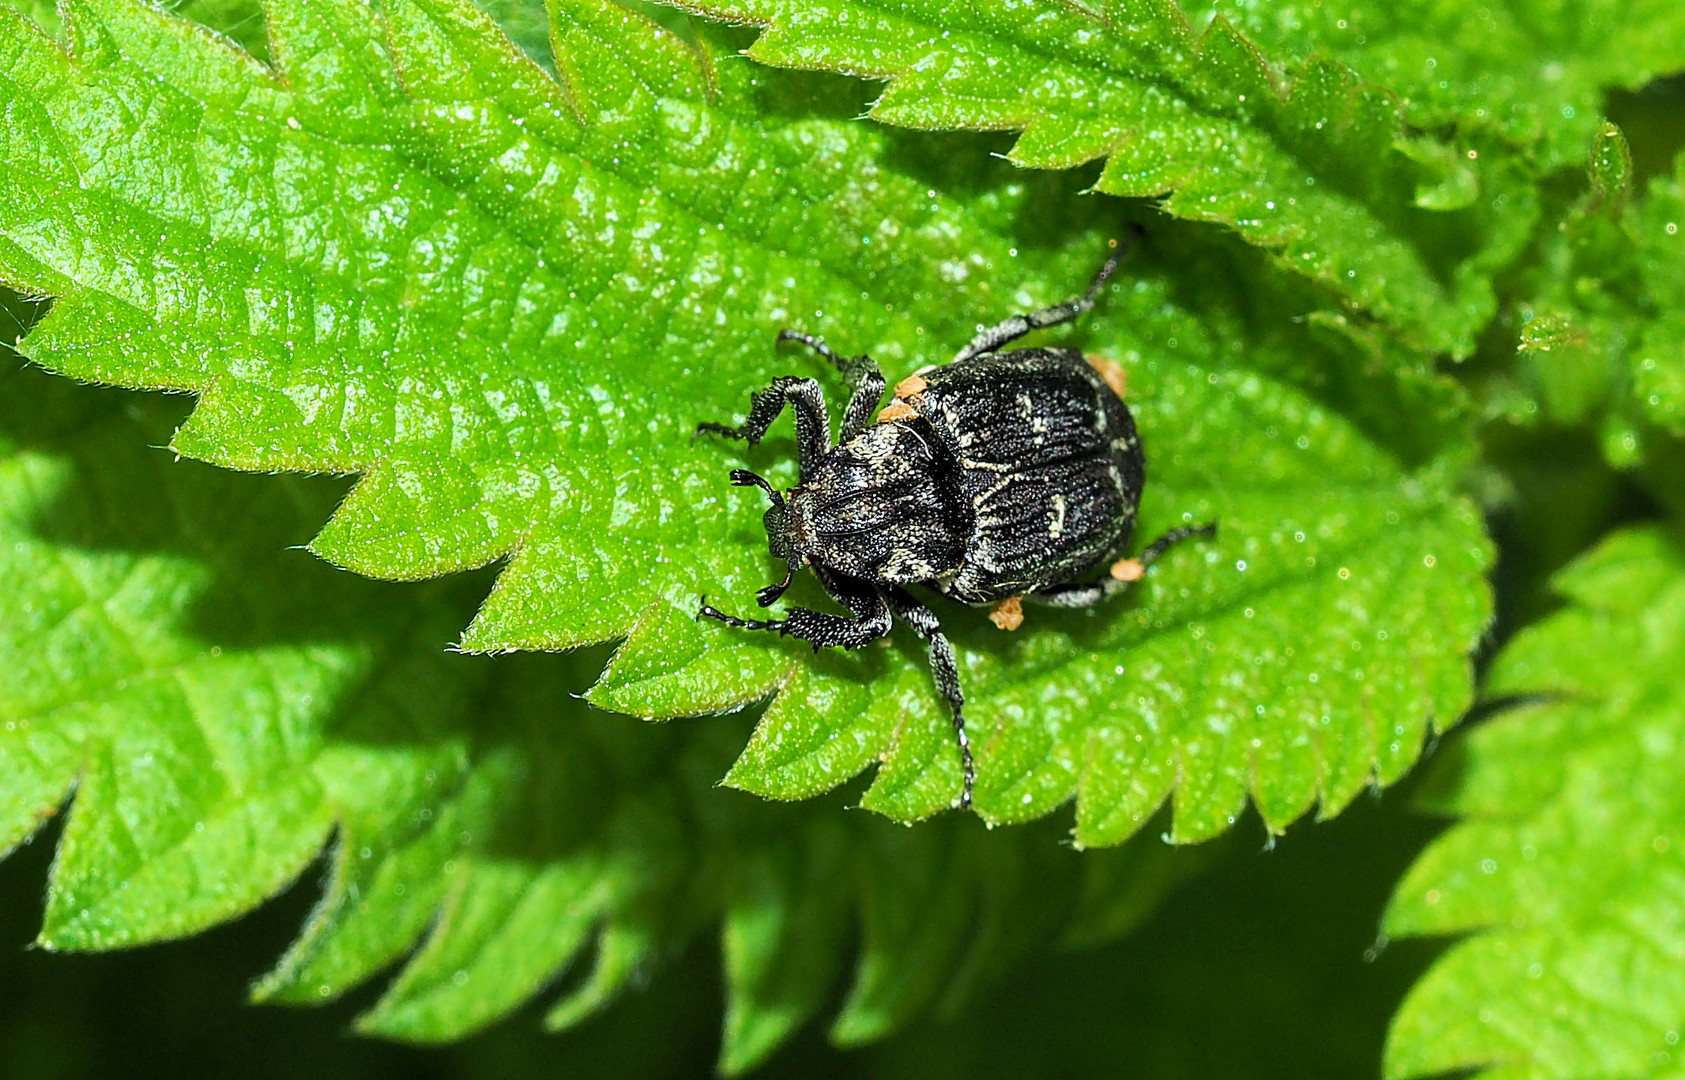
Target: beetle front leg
{"type": "Point", "coordinates": [861, 372]}
{"type": "Point", "coordinates": [945, 668]}
{"type": "Point", "coordinates": [871, 617]}
{"type": "Point", "coordinates": [805, 398]}
{"type": "Point", "coordinates": [1079, 596]}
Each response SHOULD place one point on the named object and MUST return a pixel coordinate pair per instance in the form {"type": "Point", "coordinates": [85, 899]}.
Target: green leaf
{"type": "Point", "coordinates": [1337, 581]}
{"type": "Point", "coordinates": [405, 251]}
{"type": "Point", "coordinates": [1601, 334]}
{"type": "Point", "coordinates": [1658, 363]}
{"type": "Point", "coordinates": [1566, 870]}
{"type": "Point", "coordinates": [221, 704]}
{"type": "Point", "coordinates": [1316, 168]}
{"type": "Point", "coordinates": [1534, 74]}
{"type": "Point", "coordinates": [185, 757]}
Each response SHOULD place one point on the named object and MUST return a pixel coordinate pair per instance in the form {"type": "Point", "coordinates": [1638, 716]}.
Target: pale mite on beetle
{"type": "Point", "coordinates": [993, 478]}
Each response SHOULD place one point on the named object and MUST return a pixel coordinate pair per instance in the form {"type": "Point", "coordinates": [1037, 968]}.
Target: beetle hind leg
{"type": "Point", "coordinates": [1123, 574]}
{"type": "Point", "coordinates": [987, 341]}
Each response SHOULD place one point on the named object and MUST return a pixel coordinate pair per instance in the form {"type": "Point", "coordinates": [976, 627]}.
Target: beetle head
{"type": "Point", "coordinates": [779, 538]}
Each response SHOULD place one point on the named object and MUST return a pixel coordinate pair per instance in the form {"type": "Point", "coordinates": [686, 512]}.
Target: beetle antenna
{"type": "Point", "coordinates": [780, 546]}
{"type": "Point", "coordinates": [745, 478]}
{"type": "Point", "coordinates": [1133, 236]}
{"type": "Point", "coordinates": [1130, 238]}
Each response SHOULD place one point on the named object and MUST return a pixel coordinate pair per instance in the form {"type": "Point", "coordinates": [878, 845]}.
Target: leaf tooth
{"type": "Point", "coordinates": [374, 530]}
{"type": "Point", "coordinates": [1230, 68]}
{"type": "Point", "coordinates": [509, 930]}
{"type": "Point", "coordinates": [521, 612]}
{"type": "Point", "coordinates": [783, 939]}
{"type": "Point", "coordinates": [624, 950]}
{"type": "Point", "coordinates": [218, 431]}
{"type": "Point", "coordinates": [1058, 142]}
{"type": "Point", "coordinates": [1283, 773]}
{"type": "Point", "coordinates": [1154, 161]}
{"type": "Point", "coordinates": [615, 61]}
{"type": "Point", "coordinates": [670, 665]}
{"type": "Point", "coordinates": [453, 52]}
{"type": "Point", "coordinates": [1211, 790]}
{"type": "Point", "coordinates": [869, 47]}
{"type": "Point", "coordinates": [816, 734]}
{"type": "Point", "coordinates": [1127, 774]}
{"type": "Point", "coordinates": [334, 57]}
{"type": "Point", "coordinates": [920, 97]}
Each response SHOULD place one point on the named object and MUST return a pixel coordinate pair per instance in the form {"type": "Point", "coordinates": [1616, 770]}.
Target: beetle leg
{"type": "Point", "coordinates": [946, 671]}
{"type": "Point", "coordinates": [813, 429]}
{"type": "Point", "coordinates": [987, 341]}
{"type": "Point", "coordinates": [1176, 536]}
{"type": "Point", "coordinates": [1077, 596]}
{"type": "Point", "coordinates": [871, 617]}
{"type": "Point", "coordinates": [861, 372]}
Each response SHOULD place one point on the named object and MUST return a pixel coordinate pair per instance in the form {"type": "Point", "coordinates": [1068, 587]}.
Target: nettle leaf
{"type": "Point", "coordinates": [1317, 168]}
{"type": "Point", "coordinates": [1599, 322]}
{"type": "Point", "coordinates": [1658, 363]}
{"type": "Point", "coordinates": [1219, 684]}
{"type": "Point", "coordinates": [1566, 871]}
{"type": "Point", "coordinates": [1534, 74]}
{"type": "Point", "coordinates": [401, 252]}
{"type": "Point", "coordinates": [222, 706]}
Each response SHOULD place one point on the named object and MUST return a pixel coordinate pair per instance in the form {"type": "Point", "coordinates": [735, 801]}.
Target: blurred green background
{"type": "Point", "coordinates": [1267, 965]}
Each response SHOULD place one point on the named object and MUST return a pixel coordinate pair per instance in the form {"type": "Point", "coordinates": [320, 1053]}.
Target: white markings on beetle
{"type": "Point", "coordinates": [988, 496]}
{"type": "Point", "coordinates": [1117, 480]}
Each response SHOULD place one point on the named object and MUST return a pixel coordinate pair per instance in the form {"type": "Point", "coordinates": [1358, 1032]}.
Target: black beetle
{"type": "Point", "coordinates": [995, 477]}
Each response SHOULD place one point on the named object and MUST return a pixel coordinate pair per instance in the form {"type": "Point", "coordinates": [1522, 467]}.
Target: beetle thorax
{"type": "Point", "coordinates": [880, 508]}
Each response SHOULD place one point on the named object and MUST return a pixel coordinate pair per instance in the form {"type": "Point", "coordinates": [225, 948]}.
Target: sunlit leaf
{"type": "Point", "coordinates": [405, 251]}
{"type": "Point", "coordinates": [1566, 871]}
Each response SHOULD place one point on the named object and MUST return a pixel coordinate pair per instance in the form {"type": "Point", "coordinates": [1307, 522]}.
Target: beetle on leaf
{"type": "Point", "coordinates": [994, 477]}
